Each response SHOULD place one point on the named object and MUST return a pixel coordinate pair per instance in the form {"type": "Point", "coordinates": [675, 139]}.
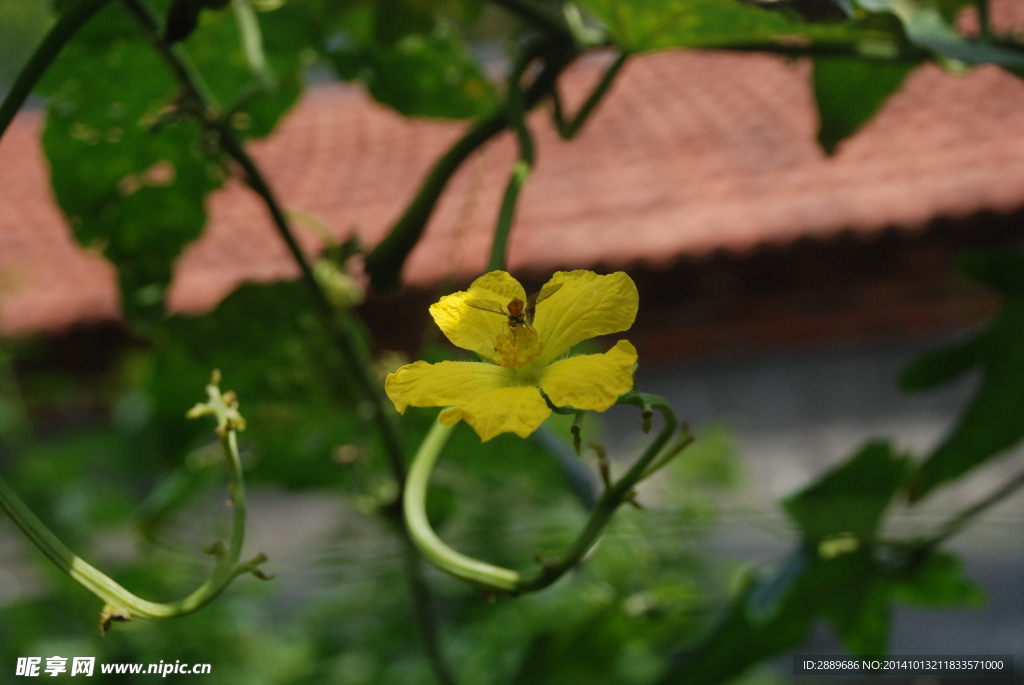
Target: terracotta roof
{"type": "Point", "coordinates": [691, 153]}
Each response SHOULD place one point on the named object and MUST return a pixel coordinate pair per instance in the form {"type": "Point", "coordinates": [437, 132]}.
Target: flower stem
{"type": "Point", "coordinates": [423, 536]}
{"type": "Point", "coordinates": [67, 25]}
{"type": "Point", "coordinates": [505, 580]}
{"type": "Point", "coordinates": [121, 603]}
{"type": "Point", "coordinates": [621, 491]}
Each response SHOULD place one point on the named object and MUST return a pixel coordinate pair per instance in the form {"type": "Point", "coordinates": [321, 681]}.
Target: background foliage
{"type": "Point", "coordinates": [135, 147]}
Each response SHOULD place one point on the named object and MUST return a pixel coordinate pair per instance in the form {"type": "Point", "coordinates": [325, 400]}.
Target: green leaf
{"type": "Point", "coordinates": [1003, 271]}
{"type": "Point", "coordinates": [926, 26]}
{"type": "Point", "coordinates": [739, 642]}
{"type": "Point", "coordinates": [939, 367]}
{"type": "Point", "coordinates": [129, 167]}
{"type": "Point", "coordinates": [645, 25]}
{"type": "Point", "coordinates": [291, 384]}
{"type": "Point", "coordinates": [430, 74]}
{"type": "Point", "coordinates": [937, 582]}
{"type": "Point", "coordinates": [849, 90]}
{"type": "Point", "coordinates": [131, 193]}
{"type": "Point", "coordinates": [851, 498]}
{"type": "Point", "coordinates": [994, 420]}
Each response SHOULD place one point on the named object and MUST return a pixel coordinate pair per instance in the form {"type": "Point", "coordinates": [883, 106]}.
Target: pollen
{"type": "Point", "coordinates": [518, 347]}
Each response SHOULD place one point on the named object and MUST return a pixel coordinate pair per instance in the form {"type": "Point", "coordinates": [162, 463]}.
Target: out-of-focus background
{"type": "Point", "coordinates": [782, 291]}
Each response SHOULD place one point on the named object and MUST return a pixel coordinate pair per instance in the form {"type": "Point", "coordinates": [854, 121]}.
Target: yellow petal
{"type": "Point", "coordinates": [443, 384]}
{"type": "Point", "coordinates": [520, 410]}
{"type": "Point", "coordinates": [497, 285]}
{"type": "Point", "coordinates": [587, 305]}
{"type": "Point", "coordinates": [591, 381]}
{"type": "Point", "coordinates": [475, 329]}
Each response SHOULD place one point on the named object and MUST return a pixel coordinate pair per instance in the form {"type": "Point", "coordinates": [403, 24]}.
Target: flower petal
{"type": "Point", "coordinates": [497, 285]}
{"type": "Point", "coordinates": [587, 305]}
{"type": "Point", "coordinates": [520, 410]}
{"type": "Point", "coordinates": [591, 381]}
{"type": "Point", "coordinates": [443, 384]}
{"type": "Point", "coordinates": [475, 329]}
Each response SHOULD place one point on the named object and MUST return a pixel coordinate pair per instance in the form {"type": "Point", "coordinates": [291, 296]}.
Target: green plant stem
{"type": "Point", "coordinates": [119, 600]}
{"type": "Point", "coordinates": [568, 129]}
{"type": "Point", "coordinates": [496, 578]}
{"type": "Point", "coordinates": [414, 506]}
{"type": "Point", "coordinates": [192, 81]}
{"type": "Point", "coordinates": [520, 170]}
{"type": "Point", "coordinates": [611, 499]}
{"type": "Point", "coordinates": [344, 334]}
{"type": "Point", "coordinates": [67, 25]}
{"type": "Point", "coordinates": [385, 262]}
{"type": "Point", "coordinates": [983, 19]}
{"type": "Point", "coordinates": [955, 524]}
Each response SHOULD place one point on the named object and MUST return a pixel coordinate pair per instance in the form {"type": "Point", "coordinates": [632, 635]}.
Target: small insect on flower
{"type": "Point", "coordinates": [518, 314]}
{"type": "Point", "coordinates": [526, 365]}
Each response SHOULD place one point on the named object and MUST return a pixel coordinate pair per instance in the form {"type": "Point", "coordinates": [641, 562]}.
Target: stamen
{"type": "Point", "coordinates": [519, 347]}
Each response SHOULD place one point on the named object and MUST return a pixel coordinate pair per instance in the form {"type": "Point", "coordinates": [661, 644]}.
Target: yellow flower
{"type": "Point", "coordinates": [503, 393]}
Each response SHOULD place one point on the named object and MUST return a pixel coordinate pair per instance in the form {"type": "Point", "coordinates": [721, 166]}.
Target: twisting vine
{"type": "Point", "coordinates": [121, 604]}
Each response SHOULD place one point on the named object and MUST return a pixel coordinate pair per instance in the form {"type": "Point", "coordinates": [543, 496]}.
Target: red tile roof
{"type": "Point", "coordinates": [691, 153]}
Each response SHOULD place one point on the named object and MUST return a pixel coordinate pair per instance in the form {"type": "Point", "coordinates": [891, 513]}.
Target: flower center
{"type": "Point", "coordinates": [518, 347]}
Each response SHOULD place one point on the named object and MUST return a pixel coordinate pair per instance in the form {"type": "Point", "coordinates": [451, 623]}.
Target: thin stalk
{"type": "Point", "coordinates": [496, 578]}
{"type": "Point", "coordinates": [962, 518]}
{"type": "Point", "coordinates": [385, 262]}
{"type": "Point", "coordinates": [568, 128]}
{"type": "Point", "coordinates": [66, 27]}
{"type": "Point", "coordinates": [983, 19]}
{"type": "Point", "coordinates": [611, 500]}
{"type": "Point", "coordinates": [520, 170]}
{"type": "Point", "coordinates": [344, 334]}
{"type": "Point", "coordinates": [122, 604]}
{"type": "Point", "coordinates": [192, 81]}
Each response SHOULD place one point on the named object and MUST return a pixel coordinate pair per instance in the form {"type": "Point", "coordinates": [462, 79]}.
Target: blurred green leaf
{"type": "Point", "coordinates": [926, 26]}
{"type": "Point", "coordinates": [853, 592]}
{"type": "Point", "coordinates": [128, 165]}
{"type": "Point", "coordinates": [994, 419]}
{"type": "Point", "coordinates": [646, 25]}
{"type": "Point", "coordinates": [134, 195]}
{"type": "Point", "coordinates": [938, 582]}
{"type": "Point", "coordinates": [427, 74]}
{"type": "Point", "coordinates": [851, 498]}
{"type": "Point", "coordinates": [849, 91]}
{"type": "Point", "coordinates": [939, 367]}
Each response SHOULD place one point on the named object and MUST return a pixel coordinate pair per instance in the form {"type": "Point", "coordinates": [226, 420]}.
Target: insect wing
{"type": "Point", "coordinates": [533, 300]}
{"type": "Point", "coordinates": [542, 294]}
{"type": "Point", "coordinates": [487, 306]}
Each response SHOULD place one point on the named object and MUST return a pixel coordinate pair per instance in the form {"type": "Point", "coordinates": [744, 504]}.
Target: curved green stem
{"type": "Point", "coordinates": [67, 25]}
{"type": "Point", "coordinates": [506, 580]}
{"type": "Point", "coordinates": [414, 505]}
{"type": "Point", "coordinates": [122, 604]}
